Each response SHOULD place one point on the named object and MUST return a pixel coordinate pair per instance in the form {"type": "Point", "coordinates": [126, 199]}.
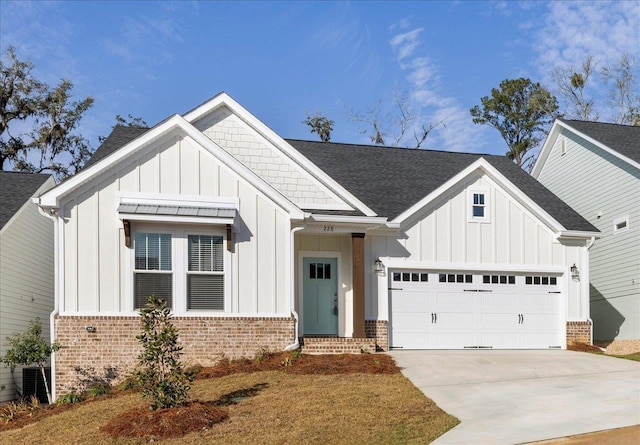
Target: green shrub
{"type": "Point", "coordinates": [72, 397]}
{"type": "Point", "coordinates": [160, 372]}
{"type": "Point", "coordinates": [98, 390]}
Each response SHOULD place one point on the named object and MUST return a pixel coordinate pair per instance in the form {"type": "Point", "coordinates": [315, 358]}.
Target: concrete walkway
{"type": "Point", "coordinates": [513, 397]}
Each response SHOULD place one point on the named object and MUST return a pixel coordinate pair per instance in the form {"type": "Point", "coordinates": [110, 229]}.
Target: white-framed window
{"type": "Point", "coordinates": [153, 267]}
{"type": "Point", "coordinates": [479, 205]}
{"type": "Point", "coordinates": [205, 272]}
{"type": "Point", "coordinates": [621, 224]}
{"type": "Point", "coordinates": [188, 267]}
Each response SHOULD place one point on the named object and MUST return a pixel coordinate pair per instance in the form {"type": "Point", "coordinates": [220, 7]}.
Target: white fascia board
{"type": "Point", "coordinates": [218, 202]}
{"type": "Point", "coordinates": [579, 234]}
{"type": "Point", "coordinates": [376, 220]}
{"type": "Point", "coordinates": [549, 142]}
{"type": "Point", "coordinates": [223, 99]}
{"type": "Point", "coordinates": [399, 263]}
{"type": "Point", "coordinates": [488, 169]}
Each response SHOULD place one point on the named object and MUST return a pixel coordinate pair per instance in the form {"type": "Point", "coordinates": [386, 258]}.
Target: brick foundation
{"type": "Point", "coordinates": [205, 340]}
{"type": "Point", "coordinates": [578, 332]}
{"type": "Point", "coordinates": [379, 330]}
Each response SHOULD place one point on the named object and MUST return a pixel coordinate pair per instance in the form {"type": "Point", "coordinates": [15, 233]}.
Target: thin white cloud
{"type": "Point", "coordinates": [405, 44]}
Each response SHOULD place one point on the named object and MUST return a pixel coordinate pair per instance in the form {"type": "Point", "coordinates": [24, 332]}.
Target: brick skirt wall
{"type": "Point", "coordinates": [578, 332]}
{"type": "Point", "coordinates": [378, 329]}
{"type": "Point", "coordinates": [113, 348]}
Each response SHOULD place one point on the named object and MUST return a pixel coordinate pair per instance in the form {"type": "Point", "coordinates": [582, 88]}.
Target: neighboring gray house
{"type": "Point", "coordinates": [26, 263]}
{"type": "Point", "coordinates": [595, 168]}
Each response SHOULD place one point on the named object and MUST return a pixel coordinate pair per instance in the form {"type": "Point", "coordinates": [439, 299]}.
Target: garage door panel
{"type": "Point", "coordinates": [504, 302]}
{"type": "Point", "coordinates": [447, 320]}
{"type": "Point", "coordinates": [499, 320]}
{"type": "Point", "coordinates": [455, 298]}
{"type": "Point", "coordinates": [453, 340]}
{"type": "Point", "coordinates": [536, 339]}
{"type": "Point", "coordinates": [411, 340]}
{"type": "Point", "coordinates": [546, 322]}
{"type": "Point", "coordinates": [413, 319]}
{"type": "Point", "coordinates": [499, 339]}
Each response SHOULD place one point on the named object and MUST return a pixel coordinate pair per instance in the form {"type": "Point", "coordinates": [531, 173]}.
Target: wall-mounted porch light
{"type": "Point", "coordinates": [574, 272]}
{"type": "Point", "coordinates": [378, 267]}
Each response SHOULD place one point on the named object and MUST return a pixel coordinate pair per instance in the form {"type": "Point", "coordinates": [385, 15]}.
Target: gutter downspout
{"type": "Point", "coordinates": [292, 294]}
{"type": "Point", "coordinates": [589, 246]}
{"type": "Point", "coordinates": [53, 214]}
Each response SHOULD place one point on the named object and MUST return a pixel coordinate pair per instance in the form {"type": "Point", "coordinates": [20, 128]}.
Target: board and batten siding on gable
{"type": "Point", "coordinates": [254, 151]}
{"type": "Point", "coordinates": [97, 270]}
{"type": "Point", "coordinates": [26, 282]}
{"type": "Point", "coordinates": [514, 238]}
{"type": "Point", "coordinates": [602, 188]}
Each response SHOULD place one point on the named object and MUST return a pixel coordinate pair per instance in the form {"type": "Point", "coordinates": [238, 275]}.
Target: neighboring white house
{"type": "Point", "coordinates": [260, 242]}
{"type": "Point", "coordinates": [595, 168]}
{"type": "Point", "coordinates": [26, 264]}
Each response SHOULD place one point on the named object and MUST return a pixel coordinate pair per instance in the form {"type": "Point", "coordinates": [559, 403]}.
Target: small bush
{"type": "Point", "coordinates": [262, 354]}
{"type": "Point", "coordinates": [72, 397]}
{"type": "Point", "coordinates": [160, 374]}
{"type": "Point", "coordinates": [98, 390]}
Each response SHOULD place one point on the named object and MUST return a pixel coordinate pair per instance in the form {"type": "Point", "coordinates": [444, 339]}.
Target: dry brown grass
{"type": "Point", "coordinates": [272, 407]}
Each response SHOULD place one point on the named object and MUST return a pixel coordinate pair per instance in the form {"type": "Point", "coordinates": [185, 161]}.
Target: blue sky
{"type": "Point", "coordinates": [280, 59]}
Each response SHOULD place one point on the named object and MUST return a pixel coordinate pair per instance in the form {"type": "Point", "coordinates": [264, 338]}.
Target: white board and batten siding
{"type": "Point", "coordinates": [27, 281]}
{"type": "Point", "coordinates": [97, 265]}
{"type": "Point", "coordinates": [440, 239]}
{"type": "Point", "coordinates": [603, 189]}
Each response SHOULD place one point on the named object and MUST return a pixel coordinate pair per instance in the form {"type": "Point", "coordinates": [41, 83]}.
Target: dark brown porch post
{"type": "Point", "coordinates": [357, 247]}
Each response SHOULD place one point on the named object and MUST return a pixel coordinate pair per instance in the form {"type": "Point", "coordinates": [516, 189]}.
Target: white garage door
{"type": "Point", "coordinates": [443, 310]}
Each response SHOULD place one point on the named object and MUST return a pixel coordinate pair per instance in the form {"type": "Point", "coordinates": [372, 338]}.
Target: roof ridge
{"type": "Point", "coordinates": [395, 148]}
{"type": "Point", "coordinates": [598, 122]}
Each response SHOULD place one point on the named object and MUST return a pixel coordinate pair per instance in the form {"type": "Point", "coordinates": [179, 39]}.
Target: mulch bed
{"type": "Point", "coordinates": [165, 423]}
{"type": "Point", "coordinates": [583, 347]}
{"type": "Point", "coordinates": [305, 364]}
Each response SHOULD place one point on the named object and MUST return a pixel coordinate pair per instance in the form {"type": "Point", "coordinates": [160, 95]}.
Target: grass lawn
{"type": "Point", "coordinates": [280, 407]}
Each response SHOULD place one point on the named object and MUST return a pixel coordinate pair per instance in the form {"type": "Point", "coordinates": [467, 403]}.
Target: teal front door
{"type": "Point", "coordinates": [320, 296]}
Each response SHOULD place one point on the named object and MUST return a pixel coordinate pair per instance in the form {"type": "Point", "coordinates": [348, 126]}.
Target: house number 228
{"type": "Point", "coordinates": [328, 229]}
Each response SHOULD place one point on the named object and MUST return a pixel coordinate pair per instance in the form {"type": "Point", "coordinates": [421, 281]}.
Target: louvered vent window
{"type": "Point", "coordinates": [205, 275]}
{"type": "Point", "coordinates": [153, 274]}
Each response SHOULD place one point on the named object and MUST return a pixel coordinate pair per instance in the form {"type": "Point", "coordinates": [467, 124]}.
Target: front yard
{"type": "Point", "coordinates": [293, 404]}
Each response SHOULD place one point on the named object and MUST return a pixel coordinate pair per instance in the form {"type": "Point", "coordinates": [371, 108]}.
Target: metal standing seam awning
{"type": "Point", "coordinates": [176, 210]}
{"type": "Point", "coordinates": [177, 214]}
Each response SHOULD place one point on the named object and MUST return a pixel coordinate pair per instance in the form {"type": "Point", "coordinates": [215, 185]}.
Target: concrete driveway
{"type": "Point", "coordinates": [513, 397]}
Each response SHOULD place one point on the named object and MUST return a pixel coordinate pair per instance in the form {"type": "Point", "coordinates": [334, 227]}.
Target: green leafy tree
{"type": "Point", "coordinates": [320, 125]}
{"type": "Point", "coordinates": [20, 94]}
{"type": "Point", "coordinates": [161, 374]}
{"type": "Point", "coordinates": [29, 348]}
{"type": "Point", "coordinates": [51, 117]}
{"type": "Point", "coordinates": [521, 111]}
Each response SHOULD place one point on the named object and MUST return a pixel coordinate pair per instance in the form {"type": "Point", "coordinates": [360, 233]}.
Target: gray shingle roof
{"type": "Point", "coordinates": [391, 180]}
{"type": "Point", "coordinates": [16, 188]}
{"type": "Point", "coordinates": [625, 139]}
{"type": "Point", "coordinates": [119, 136]}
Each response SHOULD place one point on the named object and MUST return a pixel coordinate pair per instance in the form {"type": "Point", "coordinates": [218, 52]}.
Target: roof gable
{"type": "Point", "coordinates": [622, 141]}
{"type": "Point", "coordinates": [175, 123]}
{"type": "Point", "coordinates": [16, 188]}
